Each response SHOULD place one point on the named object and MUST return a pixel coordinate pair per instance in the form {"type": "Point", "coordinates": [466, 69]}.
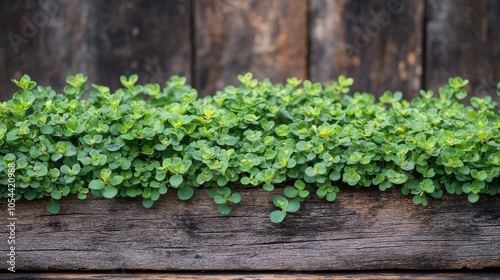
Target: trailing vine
{"type": "Point", "coordinates": [309, 137]}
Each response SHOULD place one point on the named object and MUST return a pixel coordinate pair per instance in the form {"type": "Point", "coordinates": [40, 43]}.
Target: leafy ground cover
{"type": "Point", "coordinates": [310, 138]}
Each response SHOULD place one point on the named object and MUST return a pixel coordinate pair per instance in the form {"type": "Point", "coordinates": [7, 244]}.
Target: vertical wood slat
{"type": "Point", "coordinates": [23, 25]}
{"type": "Point", "coordinates": [101, 39]}
{"type": "Point", "coordinates": [148, 38]}
{"type": "Point", "coordinates": [378, 43]}
{"type": "Point", "coordinates": [10, 62]}
{"type": "Point", "coordinates": [65, 44]}
{"type": "Point", "coordinates": [268, 38]}
{"type": "Point", "coordinates": [463, 39]}
{"type": "Point", "coordinates": [47, 40]}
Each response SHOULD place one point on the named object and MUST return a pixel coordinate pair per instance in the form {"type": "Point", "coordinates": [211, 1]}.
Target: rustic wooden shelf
{"type": "Point", "coordinates": [362, 230]}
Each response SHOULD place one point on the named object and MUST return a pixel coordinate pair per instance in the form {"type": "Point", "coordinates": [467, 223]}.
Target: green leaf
{"type": "Point", "coordinates": [221, 181]}
{"type": "Point", "coordinates": [3, 130]}
{"type": "Point", "coordinates": [268, 187]}
{"type": "Point", "coordinates": [147, 202]}
{"type": "Point", "coordinates": [299, 184]}
{"type": "Point", "coordinates": [176, 180]}
{"type": "Point", "coordinates": [351, 176]}
{"type": "Point", "coordinates": [162, 189]}
{"type": "Point", "coordinates": [320, 168]}
{"type": "Point", "coordinates": [280, 201]}
{"type": "Point", "coordinates": [219, 199]}
{"type": "Point", "coordinates": [277, 216]}
{"type": "Point", "coordinates": [30, 194]}
{"type": "Point", "coordinates": [116, 180]}
{"type": "Point", "coordinates": [109, 191]}
{"type": "Point", "coordinates": [334, 176]}
{"type": "Point", "coordinates": [473, 197]}
{"type": "Point", "coordinates": [235, 198]}
{"type": "Point", "coordinates": [461, 94]}
{"type": "Point", "coordinates": [291, 192]}
{"type": "Point", "coordinates": [185, 193]}
{"type": "Point", "coordinates": [9, 158]}
{"type": "Point", "coordinates": [321, 192]}
{"type": "Point", "coordinates": [245, 181]}
{"type": "Point", "coordinates": [310, 172]}
{"type": "Point", "coordinates": [96, 184]}
{"type": "Point", "coordinates": [304, 193]}
{"type": "Point", "coordinates": [293, 205]}
{"type": "Point", "coordinates": [395, 177]}
{"type": "Point", "coordinates": [160, 176]}
{"type": "Point", "coordinates": [113, 148]}
{"type": "Point", "coordinates": [331, 196]}
{"type": "Point", "coordinates": [224, 209]}
{"type": "Point", "coordinates": [76, 168]}
{"type": "Point", "coordinates": [77, 80]}
{"type": "Point", "coordinates": [65, 169]}
{"type": "Point", "coordinates": [47, 129]}
{"type": "Point", "coordinates": [417, 199]}
{"type": "Point", "coordinates": [25, 83]}
{"type": "Point", "coordinates": [53, 206]}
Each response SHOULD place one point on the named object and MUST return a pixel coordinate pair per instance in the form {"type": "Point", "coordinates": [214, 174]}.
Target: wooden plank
{"type": "Point", "coordinates": [463, 40]}
{"type": "Point", "coordinates": [66, 45]}
{"type": "Point", "coordinates": [378, 43]}
{"type": "Point", "coordinates": [268, 38]}
{"type": "Point", "coordinates": [148, 38]}
{"type": "Point", "coordinates": [19, 41]}
{"type": "Point", "coordinates": [10, 43]}
{"type": "Point", "coordinates": [363, 229]}
{"type": "Point", "coordinates": [101, 39]}
{"type": "Point", "coordinates": [47, 40]}
{"type": "Point", "coordinates": [260, 276]}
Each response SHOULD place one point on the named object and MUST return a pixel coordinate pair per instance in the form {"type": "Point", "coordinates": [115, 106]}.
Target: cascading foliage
{"type": "Point", "coordinates": [310, 139]}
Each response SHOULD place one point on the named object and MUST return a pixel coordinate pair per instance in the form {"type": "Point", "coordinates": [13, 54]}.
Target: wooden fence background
{"type": "Point", "coordinates": [383, 44]}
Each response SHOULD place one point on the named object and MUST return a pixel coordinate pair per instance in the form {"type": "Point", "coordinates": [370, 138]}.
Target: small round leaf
{"type": "Point", "coordinates": [277, 216]}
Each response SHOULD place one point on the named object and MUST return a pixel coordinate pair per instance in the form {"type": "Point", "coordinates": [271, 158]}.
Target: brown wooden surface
{"type": "Point", "coordinates": [463, 39]}
{"type": "Point", "coordinates": [148, 38]}
{"type": "Point", "coordinates": [101, 39]}
{"type": "Point", "coordinates": [362, 230]}
{"type": "Point", "coordinates": [378, 43]}
{"type": "Point", "coordinates": [43, 41]}
{"type": "Point", "coordinates": [211, 41]}
{"type": "Point", "coordinates": [260, 276]}
{"type": "Point", "coordinates": [268, 38]}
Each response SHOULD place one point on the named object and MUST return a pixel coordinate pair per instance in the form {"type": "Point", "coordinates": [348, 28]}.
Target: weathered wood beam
{"type": "Point", "coordinates": [268, 38]}
{"type": "Point", "coordinates": [363, 229]}
{"type": "Point", "coordinates": [463, 40]}
{"type": "Point", "coordinates": [378, 43]}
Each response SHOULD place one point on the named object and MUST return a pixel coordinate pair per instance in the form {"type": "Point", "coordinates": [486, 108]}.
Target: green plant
{"type": "Point", "coordinates": [309, 140]}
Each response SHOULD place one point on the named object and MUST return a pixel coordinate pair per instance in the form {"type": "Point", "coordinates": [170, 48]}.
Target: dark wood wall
{"type": "Point", "coordinates": [383, 44]}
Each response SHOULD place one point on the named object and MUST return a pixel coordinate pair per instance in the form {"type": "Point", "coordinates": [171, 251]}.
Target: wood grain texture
{"type": "Point", "coordinates": [101, 39]}
{"type": "Point", "coordinates": [378, 43]}
{"type": "Point", "coordinates": [361, 230]}
{"type": "Point", "coordinates": [148, 38]}
{"type": "Point", "coordinates": [463, 39]}
{"type": "Point", "coordinates": [47, 40]}
{"type": "Point", "coordinates": [12, 41]}
{"type": "Point", "coordinates": [259, 276]}
{"type": "Point", "coordinates": [268, 38]}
